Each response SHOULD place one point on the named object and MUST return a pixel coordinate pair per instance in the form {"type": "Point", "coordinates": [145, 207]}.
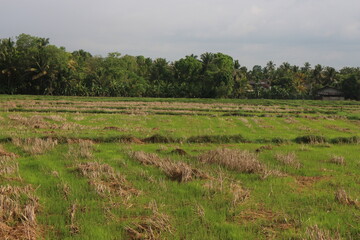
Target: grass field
{"type": "Point", "coordinates": [134, 168]}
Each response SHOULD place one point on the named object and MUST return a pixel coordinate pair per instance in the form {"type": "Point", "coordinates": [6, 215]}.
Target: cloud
{"type": "Point", "coordinates": [320, 31]}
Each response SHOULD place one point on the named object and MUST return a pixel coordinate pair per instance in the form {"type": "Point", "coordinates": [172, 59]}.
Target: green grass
{"type": "Point", "coordinates": [283, 205]}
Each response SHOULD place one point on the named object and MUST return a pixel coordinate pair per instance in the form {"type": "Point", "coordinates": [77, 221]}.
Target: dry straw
{"type": "Point", "coordinates": [315, 233]}
{"type": "Point", "coordinates": [238, 160]}
{"type": "Point", "coordinates": [178, 171]}
{"type": "Point", "coordinates": [343, 198]}
{"type": "Point", "coordinates": [152, 227]}
{"type": "Point", "coordinates": [18, 208]}
{"type": "Point", "coordinates": [81, 148]}
{"type": "Point", "coordinates": [339, 160]}
{"type": "Point", "coordinates": [8, 166]}
{"type": "Point", "coordinates": [105, 180]}
{"type": "Point", "coordinates": [288, 159]}
{"type": "Point", "coordinates": [35, 146]}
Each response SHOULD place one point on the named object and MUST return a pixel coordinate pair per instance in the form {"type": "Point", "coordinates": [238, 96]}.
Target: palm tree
{"type": "Point", "coordinates": [8, 61]}
{"type": "Point", "coordinates": [330, 76]}
{"type": "Point", "coordinates": [270, 71]}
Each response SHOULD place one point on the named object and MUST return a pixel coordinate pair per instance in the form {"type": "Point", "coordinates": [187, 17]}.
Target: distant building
{"type": "Point", "coordinates": [329, 93]}
{"type": "Point", "coordinates": [260, 84]}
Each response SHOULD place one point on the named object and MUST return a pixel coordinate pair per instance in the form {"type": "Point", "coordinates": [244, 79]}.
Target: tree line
{"type": "Point", "coordinates": [31, 65]}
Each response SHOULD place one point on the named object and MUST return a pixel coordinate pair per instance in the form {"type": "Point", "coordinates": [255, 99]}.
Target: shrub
{"type": "Point", "coordinates": [157, 138]}
{"type": "Point", "coordinates": [217, 139]}
{"type": "Point", "coordinates": [311, 139]}
{"type": "Point", "coordinates": [346, 140]}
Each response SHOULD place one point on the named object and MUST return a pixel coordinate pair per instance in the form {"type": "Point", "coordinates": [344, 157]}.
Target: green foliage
{"type": "Point", "coordinates": [311, 139]}
{"type": "Point", "coordinates": [299, 190]}
{"type": "Point", "coordinates": [351, 86]}
{"type": "Point", "coordinates": [217, 139]}
{"type": "Point", "coordinates": [30, 65]}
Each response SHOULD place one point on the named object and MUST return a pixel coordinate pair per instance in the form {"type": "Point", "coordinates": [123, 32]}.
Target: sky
{"type": "Point", "coordinates": [325, 32]}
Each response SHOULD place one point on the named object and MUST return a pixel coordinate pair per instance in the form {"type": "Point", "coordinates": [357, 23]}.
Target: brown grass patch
{"type": "Point", "coordinates": [71, 126]}
{"type": "Point", "coordinates": [132, 140]}
{"type": "Point", "coordinates": [291, 121]}
{"type": "Point", "coordinates": [35, 121]}
{"type": "Point", "coordinates": [242, 161]}
{"type": "Point", "coordinates": [113, 128]}
{"type": "Point", "coordinates": [82, 148]}
{"type": "Point", "coordinates": [239, 193]}
{"type": "Point", "coordinates": [339, 160]}
{"type": "Point", "coordinates": [315, 233]}
{"type": "Point", "coordinates": [224, 185]}
{"type": "Point", "coordinates": [253, 215]}
{"type": "Point", "coordinates": [4, 153]}
{"type": "Point", "coordinates": [56, 118]}
{"type": "Point", "coordinates": [337, 128]}
{"type": "Point", "coordinates": [105, 180]}
{"type": "Point", "coordinates": [179, 171]}
{"type": "Point", "coordinates": [35, 146]}
{"type": "Point", "coordinates": [79, 118]}
{"type": "Point", "coordinates": [179, 151]}
{"type": "Point", "coordinates": [343, 198]}
{"type": "Point", "coordinates": [199, 211]}
{"type": "Point", "coordinates": [8, 165]}
{"type": "Point", "coordinates": [271, 222]}
{"type": "Point", "coordinates": [304, 181]}
{"type": "Point", "coordinates": [246, 122]}
{"type": "Point", "coordinates": [265, 147]}
{"type": "Point", "coordinates": [152, 227]}
{"type": "Point", "coordinates": [74, 228]}
{"type": "Point", "coordinates": [18, 208]}
{"type": "Point", "coordinates": [288, 159]}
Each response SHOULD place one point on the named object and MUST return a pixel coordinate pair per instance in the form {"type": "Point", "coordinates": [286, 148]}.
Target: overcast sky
{"type": "Point", "coordinates": [254, 32]}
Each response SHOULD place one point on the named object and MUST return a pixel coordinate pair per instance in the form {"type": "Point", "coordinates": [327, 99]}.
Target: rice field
{"type": "Point", "coordinates": [142, 168]}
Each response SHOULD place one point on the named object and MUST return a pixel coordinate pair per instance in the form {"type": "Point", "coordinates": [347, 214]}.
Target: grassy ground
{"type": "Point", "coordinates": [113, 168]}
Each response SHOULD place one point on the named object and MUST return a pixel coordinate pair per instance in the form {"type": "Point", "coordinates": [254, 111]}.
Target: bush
{"type": "Point", "coordinates": [157, 138]}
{"type": "Point", "coordinates": [346, 140]}
{"type": "Point", "coordinates": [311, 139]}
{"type": "Point", "coordinates": [217, 139]}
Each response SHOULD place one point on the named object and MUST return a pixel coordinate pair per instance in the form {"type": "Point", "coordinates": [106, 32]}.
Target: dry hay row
{"type": "Point", "coordinates": [183, 172]}
{"type": "Point", "coordinates": [18, 216]}
{"type": "Point", "coordinates": [106, 181]}
{"type": "Point", "coordinates": [74, 228]}
{"type": "Point", "coordinates": [8, 163]}
{"type": "Point", "coordinates": [37, 122]}
{"type": "Point", "coordinates": [226, 186]}
{"type": "Point", "coordinates": [242, 161]}
{"type": "Point", "coordinates": [18, 205]}
{"type": "Point", "coordinates": [151, 227]}
{"type": "Point", "coordinates": [179, 171]}
{"type": "Point", "coordinates": [35, 146]}
{"type": "Point", "coordinates": [79, 148]}
{"type": "Point", "coordinates": [8, 166]}
{"type": "Point", "coordinates": [316, 233]}
{"type": "Point", "coordinates": [342, 197]}
{"type": "Point", "coordinates": [272, 222]}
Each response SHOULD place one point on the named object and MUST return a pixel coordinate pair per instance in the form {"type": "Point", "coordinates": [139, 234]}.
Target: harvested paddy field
{"type": "Point", "coordinates": [133, 168]}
